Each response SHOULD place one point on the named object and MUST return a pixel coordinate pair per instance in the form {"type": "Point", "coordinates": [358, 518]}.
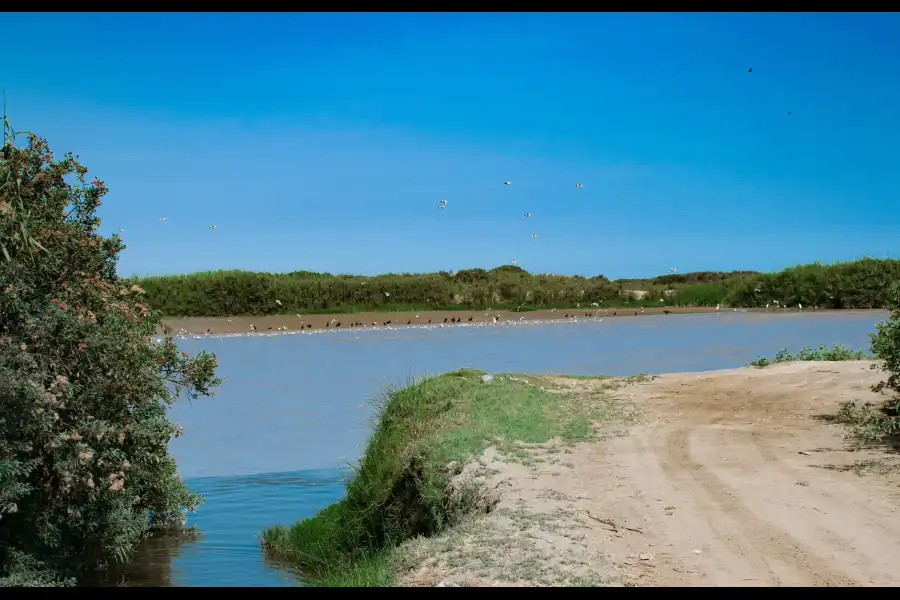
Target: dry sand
{"type": "Point", "coordinates": [729, 480]}
{"type": "Point", "coordinates": [218, 325]}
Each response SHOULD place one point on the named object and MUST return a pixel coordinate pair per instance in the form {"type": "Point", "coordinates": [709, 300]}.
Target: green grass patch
{"type": "Point", "coordinates": [403, 486]}
{"type": "Point", "coordinates": [838, 352]}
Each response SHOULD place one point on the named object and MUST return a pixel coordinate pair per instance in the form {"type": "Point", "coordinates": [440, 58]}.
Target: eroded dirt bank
{"type": "Point", "coordinates": [730, 479]}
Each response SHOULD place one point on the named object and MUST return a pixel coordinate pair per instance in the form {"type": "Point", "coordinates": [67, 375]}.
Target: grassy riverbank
{"type": "Point", "coordinates": [425, 503]}
{"type": "Point", "coordinates": [411, 480]}
{"type": "Point", "coordinates": [853, 284]}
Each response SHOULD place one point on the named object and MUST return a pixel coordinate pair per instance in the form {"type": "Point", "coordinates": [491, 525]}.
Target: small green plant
{"type": "Point", "coordinates": [84, 468]}
{"type": "Point", "coordinates": [838, 352]}
{"type": "Point", "coordinates": [760, 362]}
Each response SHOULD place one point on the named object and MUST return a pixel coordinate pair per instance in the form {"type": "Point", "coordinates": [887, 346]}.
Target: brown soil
{"type": "Point", "coordinates": [199, 325]}
{"type": "Point", "coordinates": [729, 480]}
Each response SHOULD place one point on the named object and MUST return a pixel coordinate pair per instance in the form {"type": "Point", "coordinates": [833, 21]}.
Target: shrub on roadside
{"type": "Point", "coordinates": [886, 346]}
{"type": "Point", "coordinates": [84, 467]}
{"type": "Point", "coordinates": [876, 423]}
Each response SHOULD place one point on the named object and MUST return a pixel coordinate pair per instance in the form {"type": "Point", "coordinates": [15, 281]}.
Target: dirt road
{"type": "Point", "coordinates": [729, 480]}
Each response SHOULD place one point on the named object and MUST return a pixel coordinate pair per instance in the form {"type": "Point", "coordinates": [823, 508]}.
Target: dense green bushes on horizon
{"type": "Point", "coordinates": [862, 283]}
{"type": "Point", "coordinates": [853, 284]}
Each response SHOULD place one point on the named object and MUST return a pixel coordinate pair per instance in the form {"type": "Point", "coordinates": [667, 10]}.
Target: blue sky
{"type": "Point", "coordinates": [326, 141]}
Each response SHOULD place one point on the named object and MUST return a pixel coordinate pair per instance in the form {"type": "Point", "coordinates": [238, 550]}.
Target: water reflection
{"type": "Point", "coordinates": [151, 565]}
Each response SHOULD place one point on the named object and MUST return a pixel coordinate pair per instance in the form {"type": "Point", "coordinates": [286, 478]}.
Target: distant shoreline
{"type": "Point", "coordinates": [469, 292]}
{"type": "Point", "coordinates": [242, 324]}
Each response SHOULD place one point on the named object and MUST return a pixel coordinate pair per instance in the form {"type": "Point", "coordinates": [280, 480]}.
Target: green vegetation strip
{"type": "Point", "coordinates": [838, 352]}
{"type": "Point", "coordinates": [404, 484]}
{"type": "Point", "coordinates": [853, 284]}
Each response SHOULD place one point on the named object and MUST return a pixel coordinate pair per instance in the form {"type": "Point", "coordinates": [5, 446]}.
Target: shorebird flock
{"type": "Point", "coordinates": [443, 204]}
{"type": "Point", "coordinates": [334, 326]}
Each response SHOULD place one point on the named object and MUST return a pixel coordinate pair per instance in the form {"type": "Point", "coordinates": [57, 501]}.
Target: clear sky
{"type": "Point", "coordinates": [326, 141]}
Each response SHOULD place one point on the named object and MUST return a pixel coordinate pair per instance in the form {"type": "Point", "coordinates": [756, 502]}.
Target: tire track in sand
{"type": "Point", "coordinates": [758, 540]}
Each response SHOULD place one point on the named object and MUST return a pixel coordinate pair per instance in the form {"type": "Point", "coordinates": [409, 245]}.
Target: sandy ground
{"type": "Point", "coordinates": [219, 325]}
{"type": "Point", "coordinates": [730, 479]}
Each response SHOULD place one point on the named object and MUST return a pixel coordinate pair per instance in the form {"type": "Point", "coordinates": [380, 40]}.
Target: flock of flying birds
{"type": "Point", "coordinates": [443, 203]}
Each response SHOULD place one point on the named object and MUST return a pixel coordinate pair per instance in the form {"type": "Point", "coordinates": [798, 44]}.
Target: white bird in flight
{"type": "Point", "coordinates": [579, 185]}
{"type": "Point", "coordinates": [507, 183]}
{"type": "Point", "coordinates": [534, 235]}
{"type": "Point", "coordinates": [212, 226]}
{"type": "Point", "coordinates": [162, 218]}
{"type": "Point", "coordinates": [527, 214]}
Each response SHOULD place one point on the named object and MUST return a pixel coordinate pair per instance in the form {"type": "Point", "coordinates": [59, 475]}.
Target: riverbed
{"type": "Point", "coordinates": [274, 444]}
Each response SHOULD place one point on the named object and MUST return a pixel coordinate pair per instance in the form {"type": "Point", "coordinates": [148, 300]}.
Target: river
{"type": "Point", "coordinates": [294, 410]}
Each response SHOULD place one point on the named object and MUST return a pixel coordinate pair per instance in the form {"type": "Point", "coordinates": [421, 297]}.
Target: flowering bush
{"type": "Point", "coordinates": [85, 471]}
